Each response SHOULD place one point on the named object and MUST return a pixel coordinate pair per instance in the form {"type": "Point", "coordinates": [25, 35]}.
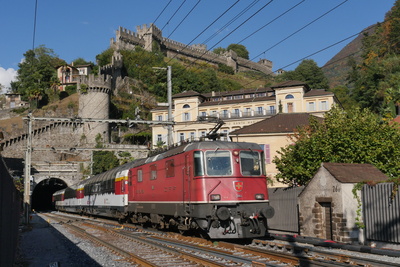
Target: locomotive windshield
{"type": "Point", "coordinates": [218, 163]}
{"type": "Point", "coordinates": [250, 163]}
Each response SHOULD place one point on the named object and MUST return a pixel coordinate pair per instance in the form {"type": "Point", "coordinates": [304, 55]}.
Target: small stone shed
{"type": "Point", "coordinates": [327, 206]}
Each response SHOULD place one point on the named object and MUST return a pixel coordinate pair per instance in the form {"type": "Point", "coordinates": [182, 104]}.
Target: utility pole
{"type": "Point", "coordinates": [169, 95]}
{"type": "Point", "coordinates": [27, 178]}
{"type": "Point", "coordinates": [170, 140]}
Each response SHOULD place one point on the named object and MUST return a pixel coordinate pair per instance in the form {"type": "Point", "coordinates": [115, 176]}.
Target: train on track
{"type": "Point", "coordinates": [215, 188]}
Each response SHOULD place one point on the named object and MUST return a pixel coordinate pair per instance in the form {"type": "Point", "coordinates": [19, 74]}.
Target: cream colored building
{"type": "Point", "coordinates": [191, 110]}
{"type": "Point", "coordinates": [272, 134]}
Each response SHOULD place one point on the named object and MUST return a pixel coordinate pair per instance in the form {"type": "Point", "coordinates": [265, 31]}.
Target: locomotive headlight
{"type": "Point", "coordinates": [260, 196]}
{"type": "Point", "coordinates": [215, 197]}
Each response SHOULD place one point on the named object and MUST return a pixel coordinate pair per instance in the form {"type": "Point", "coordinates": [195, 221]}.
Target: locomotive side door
{"type": "Point", "coordinates": [131, 184]}
{"type": "Point", "coordinates": [186, 184]}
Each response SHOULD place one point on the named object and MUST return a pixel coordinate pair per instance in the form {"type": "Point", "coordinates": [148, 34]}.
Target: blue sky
{"type": "Point", "coordinates": [294, 29]}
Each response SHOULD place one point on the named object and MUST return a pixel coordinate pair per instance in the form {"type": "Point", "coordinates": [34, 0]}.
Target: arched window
{"type": "Point", "coordinates": [186, 106]}
{"type": "Point", "coordinates": [289, 96]}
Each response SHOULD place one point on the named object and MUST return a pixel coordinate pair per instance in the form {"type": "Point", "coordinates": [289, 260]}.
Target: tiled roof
{"type": "Point", "coordinates": [355, 173]}
{"type": "Point", "coordinates": [187, 94]}
{"type": "Point", "coordinates": [280, 123]}
{"type": "Point", "coordinates": [238, 92]}
{"type": "Point", "coordinates": [317, 92]}
{"type": "Point", "coordinates": [290, 84]}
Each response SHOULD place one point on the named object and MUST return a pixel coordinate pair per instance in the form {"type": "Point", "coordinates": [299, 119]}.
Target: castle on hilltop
{"type": "Point", "coordinates": [150, 38]}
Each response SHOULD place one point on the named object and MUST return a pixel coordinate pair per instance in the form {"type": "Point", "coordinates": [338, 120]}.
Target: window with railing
{"type": "Point", "coordinates": [260, 111]}
{"type": "Point", "coordinates": [224, 113]}
{"type": "Point", "coordinates": [247, 112]}
{"type": "Point", "coordinates": [236, 113]}
{"type": "Point", "coordinates": [272, 110]}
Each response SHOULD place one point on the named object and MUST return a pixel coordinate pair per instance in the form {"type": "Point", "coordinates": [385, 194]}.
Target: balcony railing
{"type": "Point", "coordinates": [243, 114]}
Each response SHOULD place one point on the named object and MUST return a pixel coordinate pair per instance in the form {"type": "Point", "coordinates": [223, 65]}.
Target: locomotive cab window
{"type": "Point", "coordinates": [218, 163]}
{"type": "Point", "coordinates": [153, 172]}
{"type": "Point", "coordinates": [139, 175]}
{"type": "Point", "coordinates": [198, 163]}
{"type": "Point", "coordinates": [170, 168]}
{"type": "Point", "coordinates": [250, 163]}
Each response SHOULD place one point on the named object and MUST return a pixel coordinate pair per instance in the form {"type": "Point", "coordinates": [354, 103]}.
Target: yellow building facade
{"type": "Point", "coordinates": [266, 116]}
{"type": "Point", "coordinates": [191, 110]}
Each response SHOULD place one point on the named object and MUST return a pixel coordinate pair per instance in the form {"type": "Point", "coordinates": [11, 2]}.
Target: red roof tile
{"type": "Point", "coordinates": [280, 123]}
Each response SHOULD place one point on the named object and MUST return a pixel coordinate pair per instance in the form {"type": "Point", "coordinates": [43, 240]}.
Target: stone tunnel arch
{"type": "Point", "coordinates": [41, 198]}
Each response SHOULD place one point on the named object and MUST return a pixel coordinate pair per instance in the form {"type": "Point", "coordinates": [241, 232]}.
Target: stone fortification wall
{"type": "Point", "coordinates": [175, 48]}
{"type": "Point", "coordinates": [126, 39]}
{"type": "Point", "coordinates": [68, 135]}
{"type": "Point", "coordinates": [94, 103]}
{"type": "Point", "coordinates": [146, 36]}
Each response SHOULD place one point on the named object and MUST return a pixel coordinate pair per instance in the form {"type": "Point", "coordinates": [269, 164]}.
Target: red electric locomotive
{"type": "Point", "coordinates": [216, 188]}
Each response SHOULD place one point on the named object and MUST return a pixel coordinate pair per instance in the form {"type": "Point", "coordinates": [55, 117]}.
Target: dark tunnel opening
{"type": "Point", "coordinates": [43, 192]}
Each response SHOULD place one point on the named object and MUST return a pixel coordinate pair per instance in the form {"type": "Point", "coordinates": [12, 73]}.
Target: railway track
{"type": "Point", "coordinates": [145, 248]}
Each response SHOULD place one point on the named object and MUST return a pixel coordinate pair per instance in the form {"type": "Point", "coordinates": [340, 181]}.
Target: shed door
{"type": "Point", "coordinates": [326, 219]}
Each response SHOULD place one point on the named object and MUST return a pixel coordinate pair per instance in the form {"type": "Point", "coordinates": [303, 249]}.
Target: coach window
{"type": "Point", "coordinates": [153, 172]}
{"type": "Point", "coordinates": [170, 168]}
{"type": "Point", "coordinates": [198, 163]}
{"type": "Point", "coordinates": [139, 175]}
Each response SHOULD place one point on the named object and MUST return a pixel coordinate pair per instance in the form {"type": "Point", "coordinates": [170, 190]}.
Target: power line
{"type": "Point", "coordinates": [265, 25]}
{"type": "Point", "coordinates": [212, 23]}
{"type": "Point", "coordinates": [240, 25]}
{"type": "Point", "coordinates": [236, 17]}
{"type": "Point", "coordinates": [179, 24]}
{"type": "Point", "coordinates": [173, 15]}
{"type": "Point", "coordinates": [302, 28]}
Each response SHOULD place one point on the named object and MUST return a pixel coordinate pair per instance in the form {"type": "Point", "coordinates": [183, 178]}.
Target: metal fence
{"type": "Point", "coordinates": [284, 201]}
{"type": "Point", "coordinates": [381, 213]}
{"type": "Point", "coordinates": [10, 203]}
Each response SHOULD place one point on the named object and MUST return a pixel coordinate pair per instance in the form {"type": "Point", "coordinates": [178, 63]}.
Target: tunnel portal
{"type": "Point", "coordinates": [43, 191]}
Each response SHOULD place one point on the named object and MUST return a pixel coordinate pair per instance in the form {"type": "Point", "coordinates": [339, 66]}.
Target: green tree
{"type": "Point", "coordinates": [358, 136]}
{"type": "Point", "coordinates": [343, 93]}
{"type": "Point", "coordinates": [105, 57]}
{"type": "Point", "coordinates": [37, 74]}
{"type": "Point", "coordinates": [239, 49]}
{"type": "Point", "coordinates": [104, 161]}
{"type": "Point", "coordinates": [219, 50]}
{"type": "Point", "coordinates": [81, 61]}
{"type": "Point", "coordinates": [376, 79]}
{"type": "Point", "coordinates": [309, 72]}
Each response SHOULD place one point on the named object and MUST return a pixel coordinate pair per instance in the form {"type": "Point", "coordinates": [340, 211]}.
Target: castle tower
{"type": "Point", "coordinates": [151, 36]}
{"type": "Point", "coordinates": [94, 103]}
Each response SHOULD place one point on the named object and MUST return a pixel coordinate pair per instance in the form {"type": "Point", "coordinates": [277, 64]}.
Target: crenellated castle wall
{"type": "Point", "coordinates": [146, 36]}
